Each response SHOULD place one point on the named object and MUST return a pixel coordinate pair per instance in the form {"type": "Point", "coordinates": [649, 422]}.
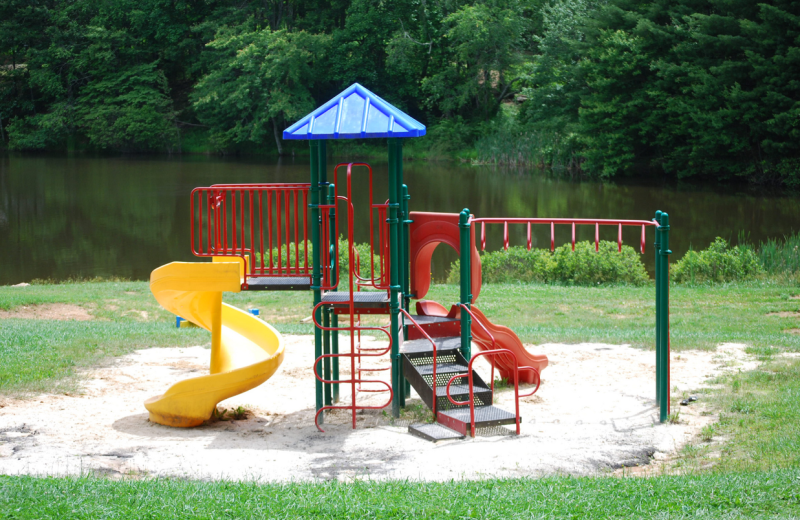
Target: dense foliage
{"type": "Point", "coordinates": [131, 75]}
{"type": "Point", "coordinates": [718, 263]}
{"type": "Point", "coordinates": [584, 266]}
{"type": "Point", "coordinates": [669, 87]}
{"type": "Point", "coordinates": [689, 87]}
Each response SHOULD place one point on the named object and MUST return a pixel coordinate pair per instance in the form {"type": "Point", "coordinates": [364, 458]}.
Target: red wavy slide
{"type": "Point", "coordinates": [428, 231]}
{"type": "Point", "coordinates": [503, 338]}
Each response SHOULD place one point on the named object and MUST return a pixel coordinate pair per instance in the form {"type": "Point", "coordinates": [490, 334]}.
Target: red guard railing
{"type": "Point", "coordinates": [266, 224]}
{"type": "Point", "coordinates": [379, 211]}
{"type": "Point", "coordinates": [570, 221]}
{"type": "Point", "coordinates": [512, 359]}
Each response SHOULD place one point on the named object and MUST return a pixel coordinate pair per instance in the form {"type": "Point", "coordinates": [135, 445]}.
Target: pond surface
{"type": "Point", "coordinates": [65, 217]}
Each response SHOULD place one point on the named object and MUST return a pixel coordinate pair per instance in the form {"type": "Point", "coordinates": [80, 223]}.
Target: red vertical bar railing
{"type": "Point", "coordinates": [229, 221]}
{"type": "Point", "coordinates": [529, 222]}
{"type": "Point", "coordinates": [530, 239]}
{"type": "Point", "coordinates": [470, 379]}
{"type": "Point", "coordinates": [573, 236]}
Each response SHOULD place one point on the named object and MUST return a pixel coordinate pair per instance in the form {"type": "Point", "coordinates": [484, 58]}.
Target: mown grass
{"type": "Point", "coordinates": [43, 355]}
{"type": "Point", "coordinates": [759, 421]}
{"type": "Point", "coordinates": [742, 495]}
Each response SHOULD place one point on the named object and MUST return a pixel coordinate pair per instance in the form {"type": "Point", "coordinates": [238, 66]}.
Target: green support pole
{"type": "Point", "coordinates": [663, 360]}
{"type": "Point", "coordinates": [316, 277]}
{"type": "Point", "coordinates": [466, 281]}
{"type": "Point", "coordinates": [406, 230]}
{"type": "Point", "coordinates": [394, 276]}
{"type": "Point", "coordinates": [401, 260]}
{"type": "Point", "coordinates": [334, 317]}
{"type": "Point", "coordinates": [326, 348]}
{"type": "Point", "coordinates": [657, 252]}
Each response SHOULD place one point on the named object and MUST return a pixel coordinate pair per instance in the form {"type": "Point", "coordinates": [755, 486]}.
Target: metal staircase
{"type": "Point", "coordinates": [453, 421]}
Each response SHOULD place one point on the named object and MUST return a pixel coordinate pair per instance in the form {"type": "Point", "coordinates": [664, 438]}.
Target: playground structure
{"type": "Point", "coordinates": [276, 236]}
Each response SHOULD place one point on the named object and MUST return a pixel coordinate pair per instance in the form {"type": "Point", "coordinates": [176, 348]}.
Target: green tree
{"type": "Point", "coordinates": [260, 80]}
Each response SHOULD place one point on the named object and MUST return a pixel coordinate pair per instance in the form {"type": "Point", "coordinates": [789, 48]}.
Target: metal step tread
{"type": "Point", "coordinates": [360, 298]}
{"type": "Point", "coordinates": [434, 432]}
{"type": "Point", "coordinates": [266, 283]}
{"type": "Point", "coordinates": [442, 368]}
{"type": "Point", "coordinates": [459, 390]}
{"type": "Point", "coordinates": [484, 416]}
{"type": "Point", "coordinates": [421, 346]}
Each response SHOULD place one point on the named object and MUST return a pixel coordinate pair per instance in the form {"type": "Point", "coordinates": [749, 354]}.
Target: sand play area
{"type": "Point", "coordinates": [595, 413]}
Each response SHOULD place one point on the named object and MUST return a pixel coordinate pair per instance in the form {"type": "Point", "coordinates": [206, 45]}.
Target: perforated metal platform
{"type": "Point", "coordinates": [278, 283]}
{"type": "Point", "coordinates": [484, 416]}
{"type": "Point", "coordinates": [434, 432]}
{"type": "Point", "coordinates": [422, 346]}
{"type": "Point", "coordinates": [362, 299]}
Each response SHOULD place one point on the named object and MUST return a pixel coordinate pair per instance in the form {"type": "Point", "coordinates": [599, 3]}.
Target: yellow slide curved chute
{"type": "Point", "coordinates": [245, 351]}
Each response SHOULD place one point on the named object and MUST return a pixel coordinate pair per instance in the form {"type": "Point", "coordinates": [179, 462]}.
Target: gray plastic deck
{"type": "Point", "coordinates": [362, 299]}
{"type": "Point", "coordinates": [278, 283]}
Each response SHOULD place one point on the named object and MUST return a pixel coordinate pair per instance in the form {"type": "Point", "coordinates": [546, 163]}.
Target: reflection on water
{"type": "Point", "coordinates": [81, 217]}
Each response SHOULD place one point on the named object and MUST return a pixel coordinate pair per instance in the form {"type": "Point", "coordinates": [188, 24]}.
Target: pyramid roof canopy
{"type": "Point", "coordinates": [356, 113]}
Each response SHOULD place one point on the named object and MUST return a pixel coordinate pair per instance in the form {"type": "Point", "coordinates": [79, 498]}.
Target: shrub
{"type": "Point", "coordinates": [361, 249]}
{"type": "Point", "coordinates": [718, 263]}
{"type": "Point", "coordinates": [781, 257]}
{"type": "Point", "coordinates": [584, 266]}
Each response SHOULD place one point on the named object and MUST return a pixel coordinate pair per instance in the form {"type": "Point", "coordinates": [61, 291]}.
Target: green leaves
{"type": "Point", "coordinates": [583, 266]}
{"type": "Point", "coordinates": [686, 88]}
{"type": "Point", "coordinates": [130, 110]}
{"type": "Point", "coordinates": [259, 79]}
{"type": "Point", "coordinates": [718, 263]}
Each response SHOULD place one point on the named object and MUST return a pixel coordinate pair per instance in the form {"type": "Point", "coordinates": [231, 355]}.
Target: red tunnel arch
{"type": "Point", "coordinates": [428, 230]}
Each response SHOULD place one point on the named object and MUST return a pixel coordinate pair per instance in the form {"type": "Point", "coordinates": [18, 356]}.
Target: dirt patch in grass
{"type": "Point", "coordinates": [792, 331]}
{"type": "Point", "coordinates": [785, 314]}
{"type": "Point", "coordinates": [48, 311]}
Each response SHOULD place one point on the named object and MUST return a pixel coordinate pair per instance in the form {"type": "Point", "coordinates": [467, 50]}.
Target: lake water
{"type": "Point", "coordinates": [65, 217]}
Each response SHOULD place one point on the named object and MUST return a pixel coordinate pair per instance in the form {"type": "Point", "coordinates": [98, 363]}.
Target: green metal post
{"type": "Point", "coordinates": [406, 231]}
{"type": "Point", "coordinates": [401, 256]}
{"type": "Point", "coordinates": [663, 360]}
{"type": "Point", "coordinates": [334, 277]}
{"type": "Point", "coordinates": [394, 275]}
{"type": "Point", "coordinates": [316, 278]}
{"type": "Point", "coordinates": [657, 252]}
{"type": "Point", "coordinates": [465, 248]}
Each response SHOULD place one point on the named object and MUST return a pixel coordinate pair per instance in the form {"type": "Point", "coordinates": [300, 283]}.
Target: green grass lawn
{"type": "Point", "coordinates": [738, 495]}
{"type": "Point", "coordinates": [746, 466]}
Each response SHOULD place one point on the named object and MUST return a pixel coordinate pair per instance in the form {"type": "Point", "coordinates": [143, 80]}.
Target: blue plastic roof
{"type": "Point", "coordinates": [356, 113]}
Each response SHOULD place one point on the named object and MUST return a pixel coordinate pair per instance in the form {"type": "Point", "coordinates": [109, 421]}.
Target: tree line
{"type": "Point", "coordinates": [706, 88]}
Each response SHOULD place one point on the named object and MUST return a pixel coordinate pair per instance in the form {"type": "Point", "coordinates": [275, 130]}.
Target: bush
{"type": "Point", "coordinates": [781, 257]}
{"type": "Point", "coordinates": [361, 249]}
{"type": "Point", "coordinates": [718, 263]}
{"type": "Point", "coordinates": [584, 266]}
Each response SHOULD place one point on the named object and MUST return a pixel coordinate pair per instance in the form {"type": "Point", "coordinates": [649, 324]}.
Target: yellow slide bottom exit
{"type": "Point", "coordinates": [245, 351]}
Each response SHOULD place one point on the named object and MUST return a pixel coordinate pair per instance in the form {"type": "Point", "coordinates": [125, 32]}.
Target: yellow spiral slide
{"type": "Point", "coordinates": [245, 351]}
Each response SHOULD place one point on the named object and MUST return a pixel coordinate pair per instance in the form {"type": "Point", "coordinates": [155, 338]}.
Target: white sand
{"type": "Point", "coordinates": [595, 412]}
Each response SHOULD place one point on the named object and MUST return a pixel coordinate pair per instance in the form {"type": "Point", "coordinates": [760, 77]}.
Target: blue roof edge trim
{"type": "Point", "coordinates": [413, 128]}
